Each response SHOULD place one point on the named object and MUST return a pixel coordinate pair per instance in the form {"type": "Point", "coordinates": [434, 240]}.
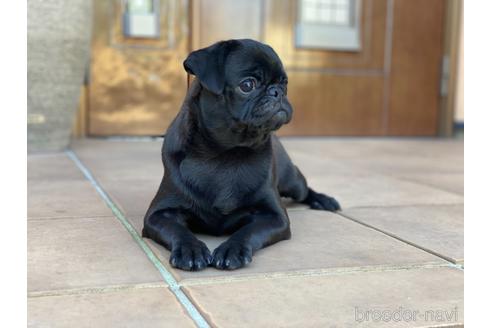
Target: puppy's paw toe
{"type": "Point", "coordinates": [190, 256]}
{"type": "Point", "coordinates": [232, 255]}
{"type": "Point", "coordinates": [318, 201]}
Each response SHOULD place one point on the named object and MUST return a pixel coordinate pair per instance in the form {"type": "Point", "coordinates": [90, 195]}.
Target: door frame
{"type": "Point", "coordinates": [453, 23]}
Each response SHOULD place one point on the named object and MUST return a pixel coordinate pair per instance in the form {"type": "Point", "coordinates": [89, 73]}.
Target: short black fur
{"type": "Point", "coordinates": [225, 170]}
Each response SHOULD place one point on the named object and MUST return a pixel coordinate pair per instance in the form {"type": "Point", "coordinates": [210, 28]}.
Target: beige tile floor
{"type": "Point", "coordinates": [392, 258]}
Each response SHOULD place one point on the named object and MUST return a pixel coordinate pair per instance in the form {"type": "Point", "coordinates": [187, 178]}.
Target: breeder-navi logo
{"type": "Point", "coordinates": [407, 315]}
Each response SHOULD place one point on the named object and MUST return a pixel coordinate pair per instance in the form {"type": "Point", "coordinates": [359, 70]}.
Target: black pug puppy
{"type": "Point", "coordinates": [225, 170]}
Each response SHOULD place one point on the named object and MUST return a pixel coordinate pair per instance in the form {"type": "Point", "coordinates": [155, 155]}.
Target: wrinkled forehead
{"type": "Point", "coordinates": [258, 61]}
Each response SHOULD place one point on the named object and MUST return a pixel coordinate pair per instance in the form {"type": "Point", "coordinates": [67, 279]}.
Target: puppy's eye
{"type": "Point", "coordinates": [247, 85]}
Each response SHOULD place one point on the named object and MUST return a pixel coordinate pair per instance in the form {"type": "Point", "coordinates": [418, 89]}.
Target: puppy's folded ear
{"type": "Point", "coordinates": [208, 65]}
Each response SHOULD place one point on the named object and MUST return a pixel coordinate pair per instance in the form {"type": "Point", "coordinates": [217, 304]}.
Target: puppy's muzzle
{"type": "Point", "coordinates": [273, 111]}
{"type": "Point", "coordinates": [275, 91]}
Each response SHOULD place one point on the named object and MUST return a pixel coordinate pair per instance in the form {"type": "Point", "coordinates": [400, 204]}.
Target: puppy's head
{"type": "Point", "coordinates": [244, 95]}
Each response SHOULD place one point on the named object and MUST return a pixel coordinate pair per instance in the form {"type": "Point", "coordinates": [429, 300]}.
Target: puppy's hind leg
{"type": "Point", "coordinates": [292, 184]}
{"type": "Point", "coordinates": [319, 201]}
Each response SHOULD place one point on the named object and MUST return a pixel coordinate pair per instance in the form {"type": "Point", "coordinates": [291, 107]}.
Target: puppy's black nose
{"type": "Point", "coordinates": [274, 91]}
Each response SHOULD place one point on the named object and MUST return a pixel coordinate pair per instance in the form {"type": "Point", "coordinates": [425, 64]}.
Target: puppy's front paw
{"type": "Point", "coordinates": [232, 255]}
{"type": "Point", "coordinates": [190, 256]}
{"type": "Point", "coordinates": [319, 201]}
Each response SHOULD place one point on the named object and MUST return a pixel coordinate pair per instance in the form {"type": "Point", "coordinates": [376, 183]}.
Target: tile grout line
{"type": "Point", "coordinates": [76, 217]}
{"type": "Point", "coordinates": [295, 209]}
{"type": "Point", "coordinates": [406, 179]}
{"type": "Point", "coordinates": [402, 205]}
{"type": "Point", "coordinates": [166, 275]}
{"type": "Point", "coordinates": [313, 273]}
{"type": "Point", "coordinates": [445, 258]}
{"type": "Point", "coordinates": [95, 290]}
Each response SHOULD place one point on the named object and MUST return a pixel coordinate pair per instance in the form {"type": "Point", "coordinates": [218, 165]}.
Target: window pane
{"type": "Point", "coordinates": [333, 12]}
{"type": "Point", "coordinates": [329, 24]}
{"type": "Point", "coordinates": [140, 6]}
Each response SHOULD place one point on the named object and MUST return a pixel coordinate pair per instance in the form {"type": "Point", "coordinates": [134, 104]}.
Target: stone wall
{"type": "Point", "coordinates": [58, 45]}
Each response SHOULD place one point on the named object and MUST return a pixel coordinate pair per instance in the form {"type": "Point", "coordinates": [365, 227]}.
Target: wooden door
{"type": "Point", "coordinates": [388, 85]}
{"type": "Point", "coordinates": [136, 85]}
